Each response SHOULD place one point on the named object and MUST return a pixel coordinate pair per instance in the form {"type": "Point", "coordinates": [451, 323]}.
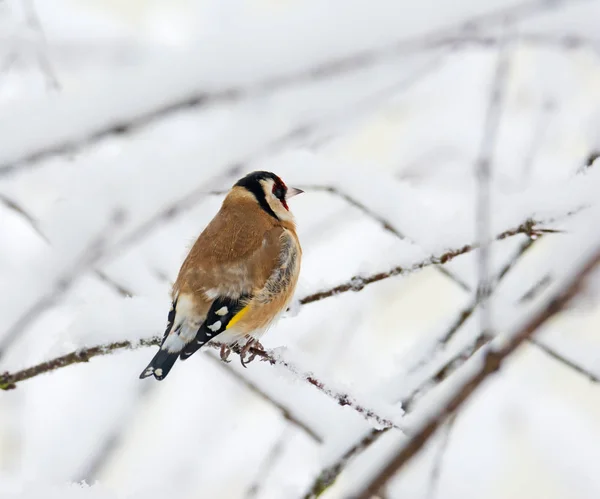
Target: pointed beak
{"type": "Point", "coordinates": [292, 191]}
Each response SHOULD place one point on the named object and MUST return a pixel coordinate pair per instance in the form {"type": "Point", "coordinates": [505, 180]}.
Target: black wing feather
{"type": "Point", "coordinates": [222, 310]}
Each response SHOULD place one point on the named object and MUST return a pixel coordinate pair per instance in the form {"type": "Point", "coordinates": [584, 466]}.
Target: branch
{"type": "Point", "coordinates": [87, 257]}
{"type": "Point", "coordinates": [254, 388]}
{"type": "Point", "coordinates": [436, 469]}
{"type": "Point", "coordinates": [492, 360]}
{"type": "Point", "coordinates": [385, 224]}
{"type": "Point", "coordinates": [268, 465]}
{"type": "Point", "coordinates": [483, 171]}
{"type": "Point", "coordinates": [34, 23]}
{"type": "Point", "coordinates": [328, 475]}
{"type": "Point", "coordinates": [357, 283]}
{"type": "Point", "coordinates": [563, 360]}
{"type": "Point", "coordinates": [118, 123]}
{"type": "Point", "coordinates": [8, 381]}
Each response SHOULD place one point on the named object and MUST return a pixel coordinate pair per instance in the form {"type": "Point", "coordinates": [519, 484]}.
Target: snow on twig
{"type": "Point", "coordinates": [491, 363]}
{"type": "Point", "coordinates": [120, 119]}
{"type": "Point", "coordinates": [9, 381]}
{"type": "Point", "coordinates": [356, 283]}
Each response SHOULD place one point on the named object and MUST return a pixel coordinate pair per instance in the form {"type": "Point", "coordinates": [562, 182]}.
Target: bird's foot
{"type": "Point", "coordinates": [225, 353]}
{"type": "Point", "coordinates": [254, 345]}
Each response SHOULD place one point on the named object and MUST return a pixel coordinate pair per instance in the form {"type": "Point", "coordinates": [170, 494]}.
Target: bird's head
{"type": "Point", "coordinates": [271, 193]}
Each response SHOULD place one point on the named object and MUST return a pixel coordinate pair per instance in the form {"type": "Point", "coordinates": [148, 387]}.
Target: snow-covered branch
{"type": "Point", "coordinates": [357, 283]}
{"type": "Point", "coordinates": [9, 381]}
{"type": "Point", "coordinates": [64, 125]}
{"type": "Point", "coordinates": [492, 360]}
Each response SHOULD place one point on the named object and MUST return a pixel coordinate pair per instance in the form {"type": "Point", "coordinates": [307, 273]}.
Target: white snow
{"type": "Point", "coordinates": [396, 133]}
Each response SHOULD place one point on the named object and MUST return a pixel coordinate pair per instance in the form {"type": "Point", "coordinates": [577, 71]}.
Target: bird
{"type": "Point", "coordinates": [239, 276]}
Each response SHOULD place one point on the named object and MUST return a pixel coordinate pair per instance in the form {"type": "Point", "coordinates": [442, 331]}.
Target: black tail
{"type": "Point", "coordinates": [160, 365]}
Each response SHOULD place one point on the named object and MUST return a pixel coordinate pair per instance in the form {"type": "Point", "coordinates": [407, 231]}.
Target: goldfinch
{"type": "Point", "coordinates": [239, 276]}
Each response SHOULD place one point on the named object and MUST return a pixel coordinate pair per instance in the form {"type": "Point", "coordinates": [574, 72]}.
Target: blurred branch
{"type": "Point", "coordinates": [483, 174]}
{"type": "Point", "coordinates": [114, 285]}
{"type": "Point", "coordinates": [111, 443]}
{"type": "Point", "coordinates": [34, 23]}
{"type": "Point", "coordinates": [87, 257]}
{"type": "Point", "coordinates": [268, 464]}
{"type": "Point", "coordinates": [491, 362]}
{"type": "Point", "coordinates": [328, 475]}
{"type": "Point", "coordinates": [15, 207]}
{"type": "Point", "coordinates": [589, 162]}
{"type": "Point", "coordinates": [341, 66]}
{"type": "Point", "coordinates": [563, 360]}
{"type": "Point", "coordinates": [436, 469]}
{"type": "Point", "coordinates": [33, 223]}
{"type": "Point", "coordinates": [468, 311]}
{"type": "Point", "coordinates": [357, 204]}
{"type": "Point", "coordinates": [254, 388]}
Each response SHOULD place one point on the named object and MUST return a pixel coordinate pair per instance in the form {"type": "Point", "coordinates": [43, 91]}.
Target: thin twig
{"type": "Point", "coordinates": [345, 65]}
{"type": "Point", "coordinates": [15, 207]}
{"type": "Point", "coordinates": [114, 285]}
{"type": "Point", "coordinates": [8, 381]}
{"type": "Point", "coordinates": [87, 257]}
{"type": "Point", "coordinates": [563, 360]}
{"type": "Point", "coordinates": [114, 439]}
{"type": "Point", "coordinates": [328, 475]}
{"type": "Point", "coordinates": [35, 24]}
{"type": "Point", "coordinates": [491, 362]}
{"type": "Point", "coordinates": [268, 464]}
{"type": "Point", "coordinates": [357, 283]}
{"type": "Point", "coordinates": [438, 460]}
{"type": "Point", "coordinates": [254, 388]}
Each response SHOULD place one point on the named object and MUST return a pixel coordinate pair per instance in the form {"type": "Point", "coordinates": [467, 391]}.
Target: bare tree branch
{"type": "Point", "coordinates": [268, 465]}
{"type": "Point", "coordinates": [111, 443]}
{"type": "Point", "coordinates": [15, 207]}
{"type": "Point", "coordinates": [8, 381]}
{"type": "Point", "coordinates": [468, 311]}
{"type": "Point", "coordinates": [328, 475]}
{"type": "Point", "coordinates": [254, 388]}
{"type": "Point", "coordinates": [87, 257]}
{"type": "Point", "coordinates": [357, 283]}
{"type": "Point", "coordinates": [491, 362]}
{"type": "Point", "coordinates": [547, 349]}
{"type": "Point", "coordinates": [34, 23]}
{"type": "Point", "coordinates": [345, 65]}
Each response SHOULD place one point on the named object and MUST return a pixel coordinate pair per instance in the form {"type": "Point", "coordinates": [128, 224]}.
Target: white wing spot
{"type": "Point", "coordinates": [158, 372]}
{"type": "Point", "coordinates": [215, 326]}
{"type": "Point", "coordinates": [222, 311]}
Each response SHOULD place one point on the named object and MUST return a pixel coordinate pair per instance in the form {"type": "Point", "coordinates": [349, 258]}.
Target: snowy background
{"type": "Point", "coordinates": [121, 124]}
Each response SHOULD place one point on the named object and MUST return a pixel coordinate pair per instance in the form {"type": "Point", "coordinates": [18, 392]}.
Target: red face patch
{"type": "Point", "coordinates": [279, 191]}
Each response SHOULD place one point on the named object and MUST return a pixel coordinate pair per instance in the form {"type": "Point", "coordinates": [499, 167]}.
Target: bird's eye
{"type": "Point", "coordinates": [278, 191]}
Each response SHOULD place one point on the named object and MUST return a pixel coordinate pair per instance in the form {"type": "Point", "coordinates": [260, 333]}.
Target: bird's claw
{"type": "Point", "coordinates": [225, 353]}
{"type": "Point", "coordinates": [252, 344]}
